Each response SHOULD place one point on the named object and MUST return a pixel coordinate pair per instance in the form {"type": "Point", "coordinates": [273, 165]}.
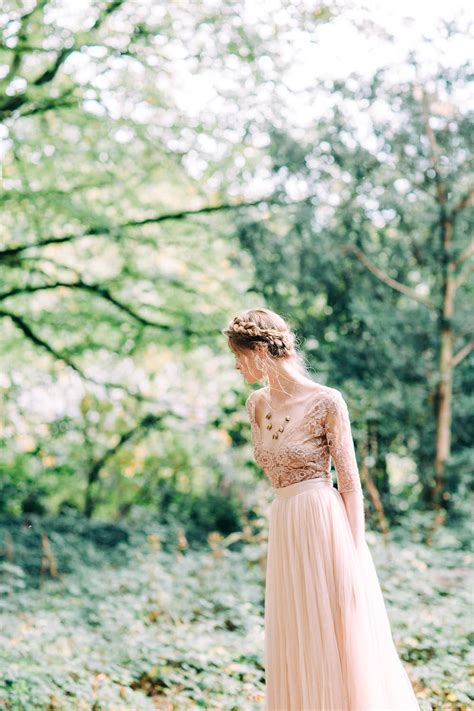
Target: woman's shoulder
{"type": "Point", "coordinates": [317, 389]}
{"type": "Point", "coordinates": [253, 394]}
{"type": "Point", "coordinates": [252, 398]}
{"type": "Point", "coordinates": [335, 397]}
{"type": "Point", "coordinates": [323, 394]}
{"type": "Point", "coordinates": [326, 393]}
{"type": "Point", "coordinates": [326, 400]}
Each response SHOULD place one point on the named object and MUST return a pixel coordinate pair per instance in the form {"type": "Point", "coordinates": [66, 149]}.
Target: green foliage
{"type": "Point", "coordinates": [200, 514]}
{"type": "Point", "coordinates": [20, 488]}
{"type": "Point", "coordinates": [46, 545]}
{"type": "Point", "coordinates": [132, 227]}
{"type": "Point", "coordinates": [358, 266]}
{"type": "Point", "coordinates": [131, 231]}
{"type": "Point", "coordinates": [150, 622]}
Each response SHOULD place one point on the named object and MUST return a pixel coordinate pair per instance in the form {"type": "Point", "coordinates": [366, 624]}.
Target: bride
{"type": "Point", "coordinates": [328, 642]}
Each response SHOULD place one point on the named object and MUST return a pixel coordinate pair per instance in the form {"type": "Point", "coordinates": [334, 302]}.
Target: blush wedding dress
{"type": "Point", "coordinates": [328, 641]}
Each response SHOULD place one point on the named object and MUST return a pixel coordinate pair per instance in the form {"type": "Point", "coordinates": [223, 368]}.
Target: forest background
{"type": "Point", "coordinates": [165, 165]}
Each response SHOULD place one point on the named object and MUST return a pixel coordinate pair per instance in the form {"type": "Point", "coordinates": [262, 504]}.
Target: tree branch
{"type": "Point", "coordinates": [13, 103]}
{"type": "Point", "coordinates": [100, 230]}
{"type": "Point", "coordinates": [31, 335]}
{"type": "Point", "coordinates": [104, 294]}
{"type": "Point", "coordinates": [146, 422]}
{"type": "Point", "coordinates": [10, 252]}
{"type": "Point", "coordinates": [461, 354]}
{"type": "Point", "coordinates": [393, 283]}
{"type": "Point", "coordinates": [434, 149]}
{"type": "Point", "coordinates": [112, 6]}
{"type": "Point", "coordinates": [49, 73]}
{"type": "Point", "coordinates": [38, 341]}
{"type": "Point", "coordinates": [16, 102]}
{"type": "Point", "coordinates": [23, 47]}
{"type": "Point", "coordinates": [200, 211]}
{"type": "Point", "coordinates": [468, 252]}
{"type": "Point", "coordinates": [460, 278]}
{"type": "Point", "coordinates": [466, 201]}
{"type": "Point", "coordinates": [8, 195]}
{"type": "Point", "coordinates": [21, 37]}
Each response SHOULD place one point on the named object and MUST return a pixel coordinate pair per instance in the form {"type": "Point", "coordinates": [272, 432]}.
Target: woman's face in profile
{"type": "Point", "coordinates": [246, 363]}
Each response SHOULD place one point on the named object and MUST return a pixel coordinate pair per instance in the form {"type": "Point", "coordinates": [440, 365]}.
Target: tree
{"type": "Point", "coordinates": [378, 266]}
{"type": "Point", "coordinates": [110, 242]}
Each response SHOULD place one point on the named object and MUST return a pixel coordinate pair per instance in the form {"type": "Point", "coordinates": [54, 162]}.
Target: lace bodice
{"type": "Point", "coordinates": [305, 448]}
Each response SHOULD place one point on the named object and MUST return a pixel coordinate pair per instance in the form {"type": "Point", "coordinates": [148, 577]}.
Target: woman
{"type": "Point", "coordinates": [328, 642]}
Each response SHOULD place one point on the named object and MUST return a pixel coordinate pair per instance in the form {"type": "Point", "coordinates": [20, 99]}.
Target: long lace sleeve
{"type": "Point", "coordinates": [341, 445]}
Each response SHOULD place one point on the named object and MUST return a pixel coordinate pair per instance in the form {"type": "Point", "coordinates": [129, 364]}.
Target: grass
{"type": "Point", "coordinates": [139, 620]}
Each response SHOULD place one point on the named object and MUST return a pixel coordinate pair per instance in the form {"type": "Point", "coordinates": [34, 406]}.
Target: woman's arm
{"type": "Point", "coordinates": [354, 503]}
{"type": "Point", "coordinates": [341, 447]}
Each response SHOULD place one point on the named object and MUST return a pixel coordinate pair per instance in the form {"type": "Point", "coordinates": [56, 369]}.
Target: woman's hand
{"type": "Point", "coordinates": [354, 505]}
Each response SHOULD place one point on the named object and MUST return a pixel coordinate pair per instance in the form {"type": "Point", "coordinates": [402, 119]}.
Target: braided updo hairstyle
{"type": "Point", "coordinates": [261, 326]}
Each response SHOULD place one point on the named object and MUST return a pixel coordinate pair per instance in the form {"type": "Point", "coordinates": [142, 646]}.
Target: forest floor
{"type": "Point", "coordinates": [141, 627]}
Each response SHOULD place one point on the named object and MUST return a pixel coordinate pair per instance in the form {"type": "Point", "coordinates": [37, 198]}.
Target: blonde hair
{"type": "Point", "coordinates": [261, 325]}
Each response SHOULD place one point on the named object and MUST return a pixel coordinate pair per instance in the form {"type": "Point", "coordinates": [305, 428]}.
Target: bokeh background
{"type": "Point", "coordinates": [165, 165]}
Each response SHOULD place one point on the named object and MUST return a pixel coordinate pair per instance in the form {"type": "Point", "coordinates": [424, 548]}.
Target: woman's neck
{"type": "Point", "coordinates": [284, 384]}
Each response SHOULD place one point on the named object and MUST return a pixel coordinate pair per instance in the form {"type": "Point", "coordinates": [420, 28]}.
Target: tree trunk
{"type": "Point", "coordinates": [445, 381]}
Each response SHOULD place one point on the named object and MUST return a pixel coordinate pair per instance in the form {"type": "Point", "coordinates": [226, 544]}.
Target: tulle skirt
{"type": "Point", "coordinates": [328, 641]}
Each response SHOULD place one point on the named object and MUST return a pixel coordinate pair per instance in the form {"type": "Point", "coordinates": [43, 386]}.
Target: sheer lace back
{"type": "Point", "coordinates": [306, 446]}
